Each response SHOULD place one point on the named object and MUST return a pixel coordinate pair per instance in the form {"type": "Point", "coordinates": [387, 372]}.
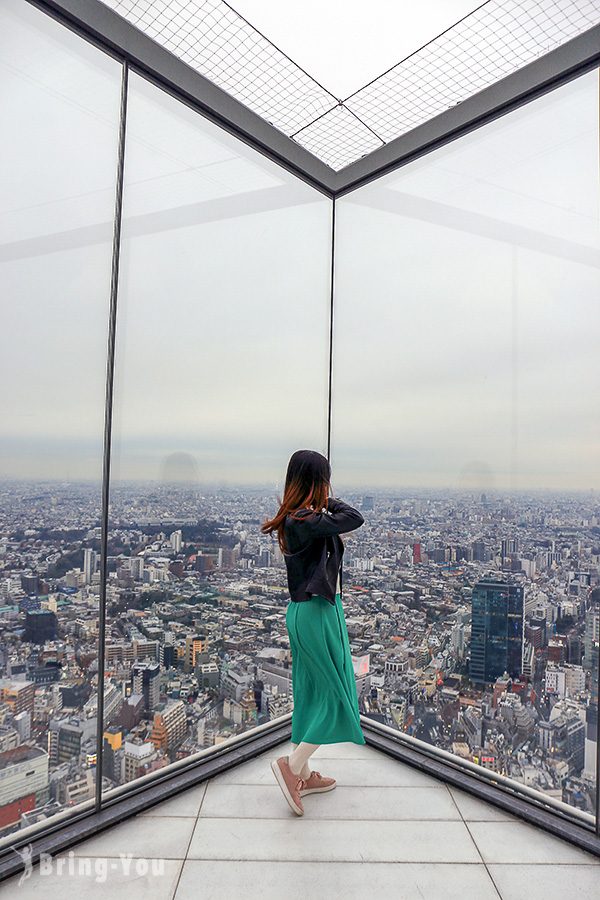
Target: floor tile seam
{"type": "Point", "coordinates": [175, 889]}
{"type": "Point", "coordinates": [571, 865]}
{"type": "Point", "coordinates": [177, 880]}
{"type": "Point", "coordinates": [353, 820]}
{"type": "Point", "coordinates": [328, 862]}
{"type": "Point", "coordinates": [465, 823]}
{"type": "Point", "coordinates": [93, 854]}
{"type": "Point", "coordinates": [589, 865]}
{"type": "Point", "coordinates": [385, 785]}
{"type": "Point", "coordinates": [365, 787]}
{"type": "Point", "coordinates": [331, 818]}
{"type": "Point", "coordinates": [544, 833]}
{"type": "Point", "coordinates": [284, 818]}
{"type": "Point", "coordinates": [157, 815]}
{"type": "Point", "coordinates": [202, 799]}
{"type": "Point", "coordinates": [494, 809]}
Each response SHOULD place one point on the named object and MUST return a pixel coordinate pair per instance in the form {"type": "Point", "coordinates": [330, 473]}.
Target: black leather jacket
{"type": "Point", "coordinates": [315, 549]}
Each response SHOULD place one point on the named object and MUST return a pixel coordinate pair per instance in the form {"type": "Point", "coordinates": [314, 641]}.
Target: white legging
{"type": "Point", "coordinates": [298, 758]}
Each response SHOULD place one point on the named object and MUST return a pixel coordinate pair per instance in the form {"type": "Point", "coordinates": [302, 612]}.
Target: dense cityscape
{"type": "Point", "coordinates": [474, 622]}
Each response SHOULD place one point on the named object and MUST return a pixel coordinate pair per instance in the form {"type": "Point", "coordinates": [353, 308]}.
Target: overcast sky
{"type": "Point", "coordinates": [344, 44]}
{"type": "Point", "coordinates": [466, 309]}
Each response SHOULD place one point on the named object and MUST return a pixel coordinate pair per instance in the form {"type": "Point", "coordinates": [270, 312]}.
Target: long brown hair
{"type": "Point", "coordinates": [307, 483]}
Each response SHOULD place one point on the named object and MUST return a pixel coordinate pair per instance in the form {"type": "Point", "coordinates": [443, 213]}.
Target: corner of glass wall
{"type": "Point", "coordinates": [466, 422]}
{"type": "Point", "coordinates": [59, 106]}
{"type": "Point", "coordinates": [221, 372]}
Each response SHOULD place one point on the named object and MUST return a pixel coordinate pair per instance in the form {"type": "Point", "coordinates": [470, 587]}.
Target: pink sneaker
{"type": "Point", "coordinates": [290, 784]}
{"type": "Point", "coordinates": [317, 783]}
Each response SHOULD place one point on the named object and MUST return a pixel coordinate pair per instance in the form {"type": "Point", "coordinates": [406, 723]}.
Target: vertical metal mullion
{"type": "Point", "coordinates": [108, 409]}
{"type": "Point", "coordinates": [592, 642]}
{"type": "Point", "coordinates": [331, 291]}
{"type": "Point", "coordinates": [598, 747]}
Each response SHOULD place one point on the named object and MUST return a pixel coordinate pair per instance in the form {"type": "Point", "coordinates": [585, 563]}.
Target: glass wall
{"type": "Point", "coordinates": [222, 360]}
{"type": "Point", "coordinates": [466, 423]}
{"type": "Point", "coordinates": [59, 109]}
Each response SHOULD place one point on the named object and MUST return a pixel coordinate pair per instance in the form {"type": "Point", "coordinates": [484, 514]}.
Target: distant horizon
{"type": "Point", "coordinates": [267, 487]}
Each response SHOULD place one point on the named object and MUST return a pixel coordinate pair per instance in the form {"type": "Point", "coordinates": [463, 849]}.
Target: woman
{"type": "Point", "coordinates": [308, 525]}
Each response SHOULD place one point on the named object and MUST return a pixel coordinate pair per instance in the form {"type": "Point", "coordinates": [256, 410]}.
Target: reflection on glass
{"type": "Point", "coordinates": [221, 372]}
{"type": "Point", "coordinates": [467, 287]}
{"type": "Point", "coordinates": [59, 106]}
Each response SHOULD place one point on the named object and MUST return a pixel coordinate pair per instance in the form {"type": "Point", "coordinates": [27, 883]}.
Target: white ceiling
{"type": "Point", "coordinates": [344, 44]}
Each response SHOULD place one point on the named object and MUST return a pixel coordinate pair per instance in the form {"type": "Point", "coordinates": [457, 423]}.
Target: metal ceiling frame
{"type": "Point", "coordinates": [107, 29]}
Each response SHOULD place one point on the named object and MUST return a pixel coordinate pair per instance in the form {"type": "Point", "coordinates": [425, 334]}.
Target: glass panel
{"type": "Point", "coordinates": [466, 402]}
{"type": "Point", "coordinates": [221, 373]}
{"type": "Point", "coordinates": [59, 108]}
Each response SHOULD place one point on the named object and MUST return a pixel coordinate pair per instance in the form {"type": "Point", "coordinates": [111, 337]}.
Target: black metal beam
{"type": "Point", "coordinates": [108, 408]}
{"type": "Point", "coordinates": [557, 67]}
{"type": "Point", "coordinates": [107, 29]}
{"type": "Point", "coordinates": [331, 296]}
{"type": "Point", "coordinates": [597, 747]}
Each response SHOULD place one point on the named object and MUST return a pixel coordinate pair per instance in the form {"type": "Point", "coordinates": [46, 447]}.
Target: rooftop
{"type": "Point", "coordinates": [413, 835]}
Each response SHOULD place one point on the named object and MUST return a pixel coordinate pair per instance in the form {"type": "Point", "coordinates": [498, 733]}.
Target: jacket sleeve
{"type": "Point", "coordinates": [339, 519]}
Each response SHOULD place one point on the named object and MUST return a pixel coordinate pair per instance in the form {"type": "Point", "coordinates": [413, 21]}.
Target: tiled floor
{"type": "Point", "coordinates": [386, 830]}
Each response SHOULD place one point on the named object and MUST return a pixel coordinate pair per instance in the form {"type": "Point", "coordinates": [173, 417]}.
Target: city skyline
{"type": "Point", "coordinates": [338, 486]}
{"type": "Point", "coordinates": [196, 651]}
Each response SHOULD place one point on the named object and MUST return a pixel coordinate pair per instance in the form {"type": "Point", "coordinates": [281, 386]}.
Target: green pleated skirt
{"type": "Point", "coordinates": [323, 683]}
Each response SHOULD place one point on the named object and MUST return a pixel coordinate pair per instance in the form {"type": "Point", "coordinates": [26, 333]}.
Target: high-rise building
{"type": "Point", "coordinates": [90, 561]}
{"type": "Point", "coordinates": [24, 782]}
{"type": "Point", "coordinates": [480, 552]}
{"type": "Point", "coordinates": [591, 635]}
{"type": "Point", "coordinates": [145, 680]}
{"type": "Point", "coordinates": [136, 760]}
{"type": "Point", "coordinates": [30, 582]}
{"type": "Point", "coordinates": [167, 655]}
{"type": "Point", "coordinates": [176, 540]}
{"type": "Point", "coordinates": [591, 662]}
{"type": "Point", "coordinates": [112, 753]}
{"type": "Point", "coordinates": [169, 727]}
{"type": "Point", "coordinates": [509, 546]}
{"type": "Point", "coordinates": [40, 625]}
{"type": "Point", "coordinates": [136, 567]}
{"type": "Point", "coordinates": [457, 640]}
{"type": "Point", "coordinates": [496, 630]}
{"type": "Point", "coordinates": [17, 695]}
{"type": "Point", "coordinates": [195, 644]}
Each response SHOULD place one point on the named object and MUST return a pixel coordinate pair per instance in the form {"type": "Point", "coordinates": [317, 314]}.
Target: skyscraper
{"type": "Point", "coordinates": [496, 630]}
{"type": "Point", "coordinates": [509, 546]}
{"type": "Point", "coordinates": [90, 561]}
{"type": "Point", "coordinates": [591, 662]}
{"type": "Point", "coordinates": [176, 539]}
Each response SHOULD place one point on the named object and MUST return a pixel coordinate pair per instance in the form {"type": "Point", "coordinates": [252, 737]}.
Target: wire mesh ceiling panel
{"type": "Point", "coordinates": [498, 38]}
{"type": "Point", "coordinates": [484, 47]}
{"type": "Point", "coordinates": [216, 41]}
{"type": "Point", "coordinates": [338, 138]}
